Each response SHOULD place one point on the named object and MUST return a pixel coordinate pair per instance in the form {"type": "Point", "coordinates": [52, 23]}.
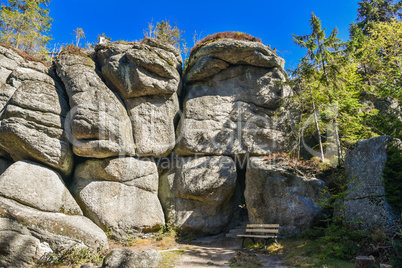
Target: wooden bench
{"type": "Point", "coordinates": [261, 231]}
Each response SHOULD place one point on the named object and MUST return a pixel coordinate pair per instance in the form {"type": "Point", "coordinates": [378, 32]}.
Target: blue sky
{"type": "Point", "coordinates": [273, 22]}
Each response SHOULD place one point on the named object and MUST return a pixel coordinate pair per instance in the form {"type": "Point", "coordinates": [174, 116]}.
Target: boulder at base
{"type": "Point", "coordinates": [197, 194]}
{"type": "Point", "coordinates": [36, 198]}
{"type": "Point", "coordinates": [364, 167]}
{"type": "Point", "coordinates": [127, 258]}
{"type": "Point", "coordinates": [275, 195]}
{"type": "Point", "coordinates": [120, 195]}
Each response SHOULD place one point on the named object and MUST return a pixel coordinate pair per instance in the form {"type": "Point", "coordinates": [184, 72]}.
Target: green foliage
{"type": "Point", "coordinates": [396, 261]}
{"type": "Point", "coordinates": [373, 11]}
{"type": "Point", "coordinates": [332, 77]}
{"type": "Point", "coordinates": [392, 175]}
{"type": "Point", "coordinates": [24, 24]}
{"type": "Point", "coordinates": [167, 32]}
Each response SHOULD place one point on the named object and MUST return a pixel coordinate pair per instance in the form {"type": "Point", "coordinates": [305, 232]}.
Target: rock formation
{"type": "Point", "coordinates": [38, 215]}
{"type": "Point", "coordinates": [147, 76]}
{"type": "Point", "coordinates": [100, 126]}
{"type": "Point", "coordinates": [364, 166]}
{"type": "Point", "coordinates": [275, 194]}
{"type": "Point", "coordinates": [111, 108]}
{"type": "Point", "coordinates": [120, 195]}
{"type": "Point", "coordinates": [197, 194]}
{"type": "Point", "coordinates": [33, 115]}
{"type": "Point", "coordinates": [232, 103]}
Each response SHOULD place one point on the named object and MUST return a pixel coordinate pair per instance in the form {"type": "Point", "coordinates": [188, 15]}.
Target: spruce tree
{"type": "Point", "coordinates": [24, 24]}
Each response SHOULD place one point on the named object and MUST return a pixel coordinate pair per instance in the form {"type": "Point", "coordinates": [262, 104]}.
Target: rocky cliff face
{"type": "Point", "coordinates": [91, 121]}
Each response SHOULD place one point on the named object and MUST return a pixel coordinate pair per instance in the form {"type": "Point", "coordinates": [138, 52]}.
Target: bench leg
{"type": "Point", "coordinates": [266, 242]}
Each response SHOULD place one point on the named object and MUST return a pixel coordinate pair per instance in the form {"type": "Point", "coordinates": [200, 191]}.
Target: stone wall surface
{"type": "Point", "coordinates": [233, 99]}
{"type": "Point", "coordinates": [364, 166]}
{"type": "Point", "coordinates": [197, 194]}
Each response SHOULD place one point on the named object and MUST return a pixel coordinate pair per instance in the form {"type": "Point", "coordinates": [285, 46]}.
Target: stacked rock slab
{"type": "Point", "coordinates": [232, 103]}
{"type": "Point", "coordinates": [120, 195]}
{"type": "Point", "coordinates": [147, 76]}
{"type": "Point", "coordinates": [98, 125]}
{"type": "Point", "coordinates": [364, 166]}
{"type": "Point", "coordinates": [33, 116]}
{"type": "Point", "coordinates": [275, 194]}
{"type": "Point", "coordinates": [197, 194]}
{"type": "Point", "coordinates": [37, 210]}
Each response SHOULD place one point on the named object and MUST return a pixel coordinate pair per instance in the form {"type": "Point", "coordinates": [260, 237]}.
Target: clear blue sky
{"type": "Point", "coordinates": [272, 21]}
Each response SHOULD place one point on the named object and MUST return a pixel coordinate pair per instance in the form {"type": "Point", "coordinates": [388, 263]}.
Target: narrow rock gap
{"type": "Point", "coordinates": [240, 213]}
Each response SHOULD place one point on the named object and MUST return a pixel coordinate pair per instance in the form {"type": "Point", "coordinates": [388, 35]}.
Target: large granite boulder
{"type": "Point", "coordinates": [36, 209]}
{"type": "Point", "coordinates": [31, 122]}
{"type": "Point", "coordinates": [197, 194]}
{"type": "Point", "coordinates": [149, 67]}
{"type": "Point", "coordinates": [98, 125]}
{"type": "Point", "coordinates": [233, 100]}
{"type": "Point", "coordinates": [29, 183]}
{"type": "Point", "coordinates": [18, 248]}
{"type": "Point", "coordinates": [147, 75]}
{"type": "Point", "coordinates": [276, 195]}
{"type": "Point", "coordinates": [364, 166]}
{"type": "Point", "coordinates": [120, 195]}
{"type": "Point", "coordinates": [127, 258]}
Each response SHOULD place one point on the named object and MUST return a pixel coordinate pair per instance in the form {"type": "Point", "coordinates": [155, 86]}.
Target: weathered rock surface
{"type": "Point", "coordinates": [9, 61]}
{"type": "Point", "coordinates": [233, 101]}
{"type": "Point", "coordinates": [38, 187]}
{"type": "Point", "coordinates": [120, 195]}
{"type": "Point", "coordinates": [127, 258]}
{"type": "Point", "coordinates": [57, 229]}
{"type": "Point", "coordinates": [150, 67]}
{"type": "Point", "coordinates": [36, 197]}
{"type": "Point", "coordinates": [100, 126]}
{"type": "Point", "coordinates": [197, 194]}
{"type": "Point", "coordinates": [364, 166]}
{"type": "Point", "coordinates": [148, 77]}
{"type": "Point", "coordinates": [18, 248]}
{"type": "Point", "coordinates": [275, 195]}
{"type": "Point", "coordinates": [153, 119]}
{"type": "Point", "coordinates": [34, 110]}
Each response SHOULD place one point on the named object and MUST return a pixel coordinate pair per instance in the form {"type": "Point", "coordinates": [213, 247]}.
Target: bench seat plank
{"type": "Point", "coordinates": [257, 236]}
{"type": "Point", "coordinates": [262, 225]}
{"type": "Point", "coordinates": [270, 231]}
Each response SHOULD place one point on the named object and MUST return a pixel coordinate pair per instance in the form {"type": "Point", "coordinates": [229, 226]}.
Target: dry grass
{"type": "Point", "coordinates": [222, 35]}
{"type": "Point", "coordinates": [23, 54]}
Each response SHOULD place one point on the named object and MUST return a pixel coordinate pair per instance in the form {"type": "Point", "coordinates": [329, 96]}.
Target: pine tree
{"type": "Point", "coordinates": [329, 78]}
{"type": "Point", "coordinates": [323, 53]}
{"type": "Point", "coordinates": [24, 24]}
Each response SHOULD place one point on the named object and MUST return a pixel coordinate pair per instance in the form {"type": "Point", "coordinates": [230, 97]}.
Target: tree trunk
{"type": "Point", "coordinates": [317, 126]}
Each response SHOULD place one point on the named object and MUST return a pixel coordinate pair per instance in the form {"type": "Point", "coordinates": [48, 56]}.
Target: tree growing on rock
{"type": "Point", "coordinates": [24, 24]}
{"type": "Point", "coordinates": [168, 33]}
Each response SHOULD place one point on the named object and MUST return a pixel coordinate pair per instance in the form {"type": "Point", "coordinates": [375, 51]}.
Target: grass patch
{"type": "Point", "coordinates": [169, 258]}
{"type": "Point", "coordinates": [71, 257]}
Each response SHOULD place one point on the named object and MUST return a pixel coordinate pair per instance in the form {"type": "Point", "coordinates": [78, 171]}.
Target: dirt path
{"type": "Point", "coordinates": [218, 251]}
